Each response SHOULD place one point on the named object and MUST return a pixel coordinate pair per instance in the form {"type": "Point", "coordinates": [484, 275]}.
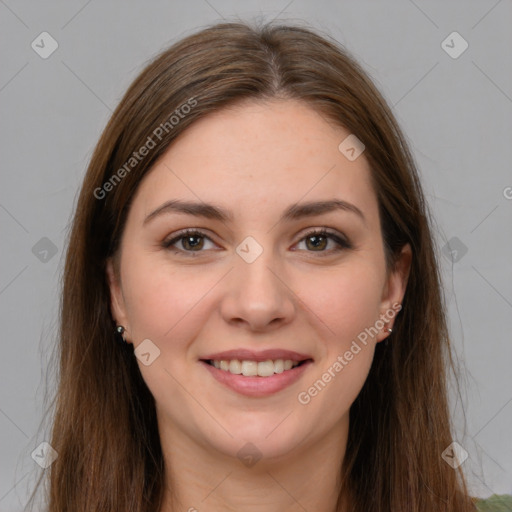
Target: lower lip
{"type": "Point", "coordinates": [257, 386]}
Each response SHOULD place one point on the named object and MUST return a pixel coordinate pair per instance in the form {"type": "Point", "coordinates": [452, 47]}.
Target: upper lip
{"type": "Point", "coordinates": [250, 355]}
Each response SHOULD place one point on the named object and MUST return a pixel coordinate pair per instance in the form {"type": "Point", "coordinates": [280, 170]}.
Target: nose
{"type": "Point", "coordinates": [257, 295]}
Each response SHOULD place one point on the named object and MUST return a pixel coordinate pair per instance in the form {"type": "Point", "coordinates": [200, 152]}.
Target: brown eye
{"type": "Point", "coordinates": [193, 241]}
{"type": "Point", "coordinates": [318, 241]}
{"type": "Point", "coordinates": [188, 241]}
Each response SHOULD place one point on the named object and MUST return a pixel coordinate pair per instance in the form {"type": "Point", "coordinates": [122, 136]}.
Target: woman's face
{"type": "Point", "coordinates": [256, 182]}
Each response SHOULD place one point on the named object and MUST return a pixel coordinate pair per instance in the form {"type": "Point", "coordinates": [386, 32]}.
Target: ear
{"type": "Point", "coordinates": [394, 290]}
{"type": "Point", "coordinates": [117, 303]}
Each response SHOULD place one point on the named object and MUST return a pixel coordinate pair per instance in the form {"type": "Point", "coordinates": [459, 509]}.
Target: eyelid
{"type": "Point", "coordinates": [176, 237]}
{"type": "Point", "coordinates": [342, 241]}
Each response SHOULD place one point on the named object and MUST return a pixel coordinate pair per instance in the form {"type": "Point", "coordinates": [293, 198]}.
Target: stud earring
{"type": "Point", "coordinates": [120, 330]}
{"type": "Point", "coordinates": [386, 340]}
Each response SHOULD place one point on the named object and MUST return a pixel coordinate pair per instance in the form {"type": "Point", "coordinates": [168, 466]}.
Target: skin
{"type": "Point", "coordinates": [255, 160]}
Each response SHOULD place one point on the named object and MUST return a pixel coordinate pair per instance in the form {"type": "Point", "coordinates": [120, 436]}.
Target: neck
{"type": "Point", "coordinates": [203, 479]}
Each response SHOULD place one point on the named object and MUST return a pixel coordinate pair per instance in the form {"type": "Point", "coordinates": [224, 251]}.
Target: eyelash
{"type": "Point", "coordinates": [343, 244]}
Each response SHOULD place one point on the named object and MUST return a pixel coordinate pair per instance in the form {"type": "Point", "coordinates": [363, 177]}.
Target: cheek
{"type": "Point", "coordinates": [347, 300]}
{"type": "Point", "coordinates": [332, 391]}
{"type": "Point", "coordinates": [160, 297]}
{"type": "Point", "coordinates": [348, 303]}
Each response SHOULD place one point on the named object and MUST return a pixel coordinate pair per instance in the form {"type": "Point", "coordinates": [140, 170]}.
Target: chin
{"type": "Point", "coordinates": [263, 439]}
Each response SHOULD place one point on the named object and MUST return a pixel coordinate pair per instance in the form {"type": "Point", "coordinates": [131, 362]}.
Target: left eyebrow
{"type": "Point", "coordinates": [300, 210]}
{"type": "Point", "coordinates": [293, 212]}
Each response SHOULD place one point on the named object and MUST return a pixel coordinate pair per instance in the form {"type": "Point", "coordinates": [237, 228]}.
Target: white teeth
{"type": "Point", "coordinates": [266, 368]}
{"type": "Point", "coordinates": [254, 368]}
{"type": "Point", "coordinates": [249, 368]}
{"type": "Point", "coordinates": [235, 366]}
{"type": "Point", "coordinates": [279, 366]}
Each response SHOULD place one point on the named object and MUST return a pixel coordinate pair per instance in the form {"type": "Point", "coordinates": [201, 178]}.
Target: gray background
{"type": "Point", "coordinates": [456, 113]}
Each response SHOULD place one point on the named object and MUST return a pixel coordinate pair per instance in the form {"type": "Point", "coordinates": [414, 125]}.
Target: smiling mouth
{"type": "Point", "coordinates": [248, 368]}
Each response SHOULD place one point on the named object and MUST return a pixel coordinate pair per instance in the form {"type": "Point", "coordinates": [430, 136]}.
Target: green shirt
{"type": "Point", "coordinates": [496, 503]}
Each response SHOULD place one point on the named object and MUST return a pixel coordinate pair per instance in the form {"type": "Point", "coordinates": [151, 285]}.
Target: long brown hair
{"type": "Point", "coordinates": [104, 424]}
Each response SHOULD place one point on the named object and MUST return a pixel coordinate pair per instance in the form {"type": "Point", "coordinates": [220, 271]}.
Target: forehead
{"type": "Point", "coordinates": [255, 155]}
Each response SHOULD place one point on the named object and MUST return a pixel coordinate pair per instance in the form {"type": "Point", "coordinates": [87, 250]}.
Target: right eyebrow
{"type": "Point", "coordinates": [205, 210]}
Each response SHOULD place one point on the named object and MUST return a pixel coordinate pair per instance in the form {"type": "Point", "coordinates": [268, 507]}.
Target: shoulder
{"type": "Point", "coordinates": [496, 503]}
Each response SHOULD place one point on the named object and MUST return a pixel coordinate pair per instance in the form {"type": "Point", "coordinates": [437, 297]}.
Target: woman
{"type": "Point", "coordinates": [251, 315]}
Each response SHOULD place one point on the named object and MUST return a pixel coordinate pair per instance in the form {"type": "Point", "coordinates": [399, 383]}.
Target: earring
{"type": "Point", "coordinates": [120, 330]}
{"type": "Point", "coordinates": [386, 340]}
